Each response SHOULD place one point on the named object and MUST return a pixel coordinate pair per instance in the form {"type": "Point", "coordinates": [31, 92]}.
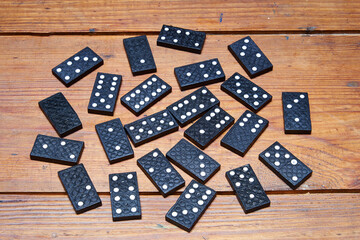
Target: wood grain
{"type": "Point", "coordinates": [37, 35]}
{"type": "Point", "coordinates": [323, 65]}
{"type": "Point", "coordinates": [102, 16]}
{"type": "Point", "coordinates": [296, 216]}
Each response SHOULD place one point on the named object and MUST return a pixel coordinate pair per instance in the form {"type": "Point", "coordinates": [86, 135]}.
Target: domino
{"type": "Point", "coordinates": [77, 66]}
{"type": "Point", "coordinates": [210, 126]}
{"type": "Point", "coordinates": [193, 161]}
{"type": "Point", "coordinates": [104, 94]}
{"type": "Point", "coordinates": [250, 57]}
{"type": "Point", "coordinates": [139, 55]}
{"type": "Point", "coordinates": [114, 140]}
{"type": "Point", "coordinates": [296, 112]}
{"type": "Point", "coordinates": [199, 74]}
{"type": "Point", "coordinates": [56, 150]}
{"type": "Point", "coordinates": [79, 188]}
{"type": "Point", "coordinates": [124, 194]}
{"type": "Point", "coordinates": [181, 39]}
{"type": "Point", "coordinates": [190, 206]}
{"type": "Point", "coordinates": [193, 106]}
{"type": "Point", "coordinates": [246, 92]}
{"type": "Point", "coordinates": [145, 95]}
{"type": "Point", "coordinates": [151, 127]}
{"type": "Point", "coordinates": [60, 114]}
{"type": "Point", "coordinates": [244, 133]}
{"type": "Point", "coordinates": [160, 172]}
{"type": "Point", "coordinates": [285, 165]}
{"type": "Point", "coordinates": [247, 188]}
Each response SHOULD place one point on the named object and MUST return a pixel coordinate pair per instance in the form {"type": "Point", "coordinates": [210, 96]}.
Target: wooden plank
{"type": "Point", "coordinates": [326, 66]}
{"type": "Point", "coordinates": [100, 16]}
{"type": "Point", "coordinates": [307, 216]}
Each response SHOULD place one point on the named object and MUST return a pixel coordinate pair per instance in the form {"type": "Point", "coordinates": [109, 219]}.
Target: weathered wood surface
{"type": "Point", "coordinates": [103, 16]}
{"type": "Point", "coordinates": [299, 216]}
{"type": "Point", "coordinates": [326, 66]}
{"type": "Point", "coordinates": [32, 201]}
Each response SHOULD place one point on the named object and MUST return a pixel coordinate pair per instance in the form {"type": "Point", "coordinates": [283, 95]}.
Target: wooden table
{"type": "Point", "coordinates": [314, 47]}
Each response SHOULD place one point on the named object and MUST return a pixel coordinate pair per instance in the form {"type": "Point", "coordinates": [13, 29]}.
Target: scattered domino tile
{"type": "Point", "coordinates": [244, 133]}
{"type": "Point", "coordinates": [190, 206]}
{"type": "Point", "coordinates": [77, 66]}
{"type": "Point", "coordinates": [193, 161]}
{"type": "Point", "coordinates": [285, 165]}
{"type": "Point", "coordinates": [104, 94]}
{"type": "Point", "coordinates": [151, 127]}
{"type": "Point", "coordinates": [60, 114]}
{"type": "Point", "coordinates": [56, 150]}
{"type": "Point", "coordinates": [196, 198]}
{"type": "Point", "coordinates": [124, 195]}
{"type": "Point", "coordinates": [250, 57]}
{"type": "Point", "coordinates": [79, 188]}
{"type": "Point", "coordinates": [114, 140]}
{"type": "Point", "coordinates": [199, 74]}
{"type": "Point", "coordinates": [193, 106]}
{"type": "Point", "coordinates": [247, 188]}
{"type": "Point", "coordinates": [296, 112]}
{"type": "Point", "coordinates": [181, 39]}
{"type": "Point", "coordinates": [160, 172]}
{"type": "Point", "coordinates": [145, 95]}
{"type": "Point", "coordinates": [246, 92]}
{"type": "Point", "coordinates": [210, 126]}
{"type": "Point", "coordinates": [139, 55]}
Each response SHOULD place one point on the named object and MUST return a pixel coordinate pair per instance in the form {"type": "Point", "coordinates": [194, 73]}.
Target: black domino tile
{"type": "Point", "coordinates": [210, 126]}
{"type": "Point", "coordinates": [77, 66]}
{"type": "Point", "coordinates": [124, 196]}
{"type": "Point", "coordinates": [285, 165]}
{"type": "Point", "coordinates": [247, 188]}
{"type": "Point", "coordinates": [192, 106]}
{"type": "Point", "coordinates": [181, 39]}
{"type": "Point", "coordinates": [199, 74]}
{"type": "Point", "coordinates": [80, 189]}
{"type": "Point", "coordinates": [151, 127]}
{"type": "Point", "coordinates": [190, 206]}
{"type": "Point", "coordinates": [139, 54]}
{"type": "Point", "coordinates": [296, 110]}
{"type": "Point", "coordinates": [193, 161]}
{"type": "Point", "coordinates": [246, 92]}
{"type": "Point", "coordinates": [160, 172]}
{"type": "Point", "coordinates": [244, 133]}
{"type": "Point", "coordinates": [104, 94]}
{"type": "Point", "coordinates": [114, 140]}
{"type": "Point", "coordinates": [145, 95]}
{"type": "Point", "coordinates": [60, 114]}
{"type": "Point", "coordinates": [56, 150]}
{"type": "Point", "coordinates": [250, 57]}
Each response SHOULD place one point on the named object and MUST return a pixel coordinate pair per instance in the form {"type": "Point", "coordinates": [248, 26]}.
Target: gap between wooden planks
{"type": "Point", "coordinates": [102, 16]}
{"type": "Point", "coordinates": [326, 66]}
{"type": "Point", "coordinates": [304, 216]}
